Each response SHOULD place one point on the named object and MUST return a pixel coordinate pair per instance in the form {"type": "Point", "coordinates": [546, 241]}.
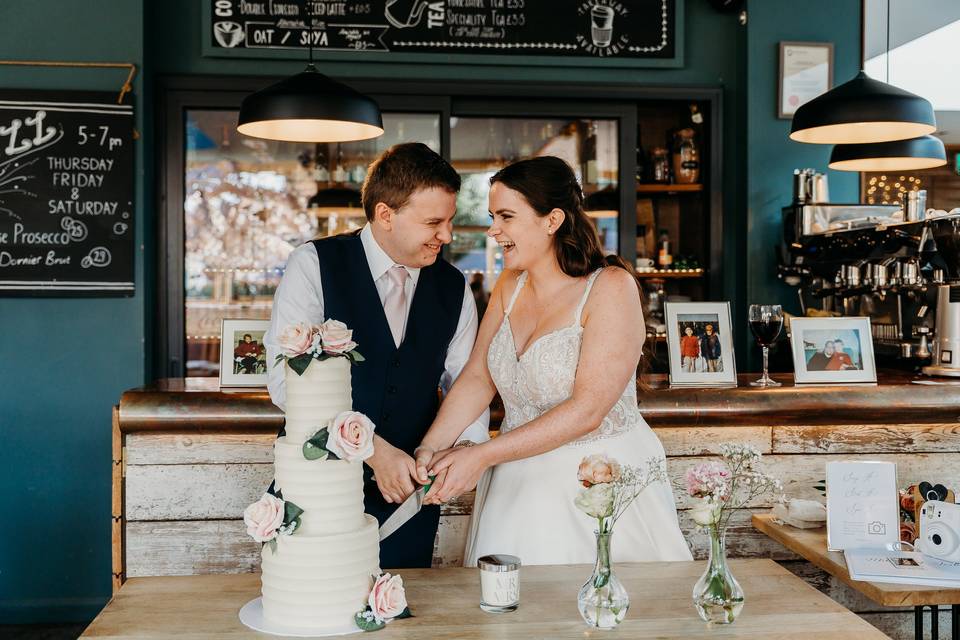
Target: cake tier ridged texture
{"type": "Point", "coordinates": [319, 577]}
{"type": "Point", "coordinates": [316, 397]}
{"type": "Point", "coordinates": [330, 492]}
{"type": "Point", "coordinates": [320, 582]}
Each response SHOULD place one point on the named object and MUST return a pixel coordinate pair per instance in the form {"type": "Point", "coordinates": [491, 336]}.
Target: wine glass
{"type": "Point", "coordinates": [766, 320]}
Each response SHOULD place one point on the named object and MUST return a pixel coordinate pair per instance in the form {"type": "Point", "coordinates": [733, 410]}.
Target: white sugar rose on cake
{"type": "Point", "coordinates": [320, 557]}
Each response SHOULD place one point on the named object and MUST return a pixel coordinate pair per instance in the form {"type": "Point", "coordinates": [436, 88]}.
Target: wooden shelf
{"type": "Point", "coordinates": [668, 188]}
{"type": "Point", "coordinates": [672, 274]}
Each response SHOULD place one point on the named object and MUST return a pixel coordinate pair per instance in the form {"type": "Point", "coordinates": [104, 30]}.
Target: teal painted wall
{"type": "Point", "coordinates": [66, 361]}
{"type": "Point", "coordinates": [75, 357]}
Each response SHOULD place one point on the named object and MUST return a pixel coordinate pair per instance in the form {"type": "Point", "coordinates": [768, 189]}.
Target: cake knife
{"type": "Point", "coordinates": [407, 509]}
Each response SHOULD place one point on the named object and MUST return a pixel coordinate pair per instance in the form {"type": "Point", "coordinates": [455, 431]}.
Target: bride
{"type": "Point", "coordinates": [560, 341]}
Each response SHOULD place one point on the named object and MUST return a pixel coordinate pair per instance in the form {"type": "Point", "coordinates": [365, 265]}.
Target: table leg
{"type": "Point", "coordinates": [934, 622]}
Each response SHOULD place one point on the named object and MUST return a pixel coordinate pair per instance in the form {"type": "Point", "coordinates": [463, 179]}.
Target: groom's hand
{"type": "Point", "coordinates": [458, 471]}
{"type": "Point", "coordinates": [393, 470]}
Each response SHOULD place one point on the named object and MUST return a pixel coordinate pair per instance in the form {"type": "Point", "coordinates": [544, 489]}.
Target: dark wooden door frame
{"type": "Point", "coordinates": [177, 94]}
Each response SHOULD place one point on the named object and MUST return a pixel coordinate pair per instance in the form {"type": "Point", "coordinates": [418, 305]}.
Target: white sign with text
{"type": "Point", "coordinates": [862, 505]}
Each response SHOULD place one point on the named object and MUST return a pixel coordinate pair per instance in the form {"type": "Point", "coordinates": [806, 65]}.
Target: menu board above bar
{"type": "Point", "coordinates": [517, 31]}
{"type": "Point", "coordinates": [66, 194]}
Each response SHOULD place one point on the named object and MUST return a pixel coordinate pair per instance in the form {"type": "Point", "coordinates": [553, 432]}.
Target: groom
{"type": "Point", "coordinates": [413, 317]}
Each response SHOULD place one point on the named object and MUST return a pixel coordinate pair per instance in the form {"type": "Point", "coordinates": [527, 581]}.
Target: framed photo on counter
{"type": "Point", "coordinates": [700, 344]}
{"type": "Point", "coordinates": [243, 356]}
{"type": "Point", "coordinates": [832, 350]}
{"type": "Point", "coordinates": [806, 71]}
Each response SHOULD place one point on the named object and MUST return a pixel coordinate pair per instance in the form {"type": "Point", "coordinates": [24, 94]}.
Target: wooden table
{"type": "Point", "coordinates": [811, 544]}
{"type": "Point", "coordinates": [445, 605]}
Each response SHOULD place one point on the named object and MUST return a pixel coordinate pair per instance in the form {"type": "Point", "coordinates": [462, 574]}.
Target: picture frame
{"type": "Point", "coordinates": [817, 357]}
{"type": "Point", "coordinates": [704, 328]}
{"type": "Point", "coordinates": [243, 362]}
{"type": "Point", "coordinates": [805, 72]}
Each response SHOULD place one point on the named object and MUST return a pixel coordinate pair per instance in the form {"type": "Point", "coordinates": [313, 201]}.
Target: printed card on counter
{"type": "Point", "coordinates": [862, 501]}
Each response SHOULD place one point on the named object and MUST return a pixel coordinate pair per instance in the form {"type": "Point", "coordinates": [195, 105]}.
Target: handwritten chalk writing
{"type": "Point", "coordinates": [54, 260]}
{"type": "Point", "coordinates": [41, 135]}
{"type": "Point", "coordinates": [82, 207]}
{"type": "Point", "coordinates": [64, 179]}
{"type": "Point", "coordinates": [284, 9]}
{"type": "Point", "coordinates": [98, 257]}
{"type": "Point", "coordinates": [80, 164]}
{"type": "Point", "coordinates": [7, 259]}
{"type": "Point", "coordinates": [22, 236]}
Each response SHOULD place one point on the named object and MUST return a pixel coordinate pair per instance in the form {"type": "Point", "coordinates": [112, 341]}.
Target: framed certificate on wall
{"type": "Point", "coordinates": [806, 71]}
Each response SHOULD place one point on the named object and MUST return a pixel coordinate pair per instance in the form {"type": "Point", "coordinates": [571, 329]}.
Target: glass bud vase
{"type": "Point", "coordinates": [603, 600]}
{"type": "Point", "coordinates": [717, 594]}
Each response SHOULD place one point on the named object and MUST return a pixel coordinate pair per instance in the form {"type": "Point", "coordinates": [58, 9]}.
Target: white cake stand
{"type": "Point", "coordinates": [252, 616]}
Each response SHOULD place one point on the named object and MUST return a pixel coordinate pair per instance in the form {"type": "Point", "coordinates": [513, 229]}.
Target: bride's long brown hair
{"type": "Point", "coordinates": [548, 183]}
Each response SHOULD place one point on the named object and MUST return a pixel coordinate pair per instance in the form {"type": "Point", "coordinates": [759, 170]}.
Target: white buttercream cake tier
{"type": "Point", "coordinates": [315, 397]}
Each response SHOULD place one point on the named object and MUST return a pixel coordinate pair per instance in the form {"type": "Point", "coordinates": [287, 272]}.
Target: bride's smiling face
{"type": "Point", "coordinates": [524, 236]}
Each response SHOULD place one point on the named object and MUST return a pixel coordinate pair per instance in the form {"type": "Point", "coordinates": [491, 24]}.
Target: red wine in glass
{"type": "Point", "coordinates": [766, 320]}
{"type": "Point", "coordinates": [766, 331]}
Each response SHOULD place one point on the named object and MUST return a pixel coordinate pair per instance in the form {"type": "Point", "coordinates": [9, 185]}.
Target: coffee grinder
{"type": "Point", "coordinates": [946, 341]}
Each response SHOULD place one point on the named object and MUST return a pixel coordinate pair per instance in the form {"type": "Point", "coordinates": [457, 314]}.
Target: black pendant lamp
{"type": "Point", "coordinates": [925, 152]}
{"type": "Point", "coordinates": [310, 107]}
{"type": "Point", "coordinates": [863, 110]}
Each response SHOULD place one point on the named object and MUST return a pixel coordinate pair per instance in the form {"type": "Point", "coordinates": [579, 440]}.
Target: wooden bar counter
{"type": "Point", "coordinates": [188, 457]}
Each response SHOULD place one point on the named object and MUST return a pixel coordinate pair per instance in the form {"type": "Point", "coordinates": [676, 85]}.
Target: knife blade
{"type": "Point", "coordinates": [407, 509]}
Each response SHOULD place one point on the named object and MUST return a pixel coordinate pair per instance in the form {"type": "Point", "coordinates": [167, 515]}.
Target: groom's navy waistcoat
{"type": "Point", "coordinates": [395, 387]}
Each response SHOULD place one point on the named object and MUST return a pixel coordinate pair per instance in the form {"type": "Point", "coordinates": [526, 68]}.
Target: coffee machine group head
{"type": "Point", "coordinates": [946, 342]}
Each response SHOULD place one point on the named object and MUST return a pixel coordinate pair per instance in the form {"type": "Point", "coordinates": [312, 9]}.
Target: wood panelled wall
{"type": "Point", "coordinates": [180, 495]}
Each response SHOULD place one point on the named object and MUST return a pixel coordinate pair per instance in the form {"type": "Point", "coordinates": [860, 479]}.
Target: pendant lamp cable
{"type": "Point", "coordinates": [888, 42]}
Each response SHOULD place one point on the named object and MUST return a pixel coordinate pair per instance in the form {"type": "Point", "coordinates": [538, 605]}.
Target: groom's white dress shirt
{"type": "Point", "coordinates": [299, 298]}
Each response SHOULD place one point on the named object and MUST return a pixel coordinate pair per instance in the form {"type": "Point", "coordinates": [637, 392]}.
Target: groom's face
{"type": "Point", "coordinates": [417, 231]}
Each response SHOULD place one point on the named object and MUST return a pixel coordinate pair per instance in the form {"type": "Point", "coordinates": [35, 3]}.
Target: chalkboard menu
{"type": "Point", "coordinates": [516, 31]}
{"type": "Point", "coordinates": [66, 194]}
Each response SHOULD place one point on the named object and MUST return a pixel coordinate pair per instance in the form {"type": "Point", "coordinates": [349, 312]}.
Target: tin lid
{"type": "Point", "coordinates": [499, 562]}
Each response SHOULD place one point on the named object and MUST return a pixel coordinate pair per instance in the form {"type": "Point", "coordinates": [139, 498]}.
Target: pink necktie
{"type": "Point", "coordinates": [395, 302]}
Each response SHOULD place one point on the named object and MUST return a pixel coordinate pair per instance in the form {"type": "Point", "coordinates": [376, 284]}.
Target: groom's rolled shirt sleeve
{"type": "Point", "coordinates": [458, 352]}
{"type": "Point", "coordinates": [299, 298]}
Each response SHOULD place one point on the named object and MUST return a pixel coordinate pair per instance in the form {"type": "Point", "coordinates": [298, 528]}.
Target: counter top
{"type": "Point", "coordinates": [200, 404]}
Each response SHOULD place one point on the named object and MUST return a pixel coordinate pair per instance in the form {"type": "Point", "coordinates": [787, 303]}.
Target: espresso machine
{"type": "Point", "coordinates": [946, 341]}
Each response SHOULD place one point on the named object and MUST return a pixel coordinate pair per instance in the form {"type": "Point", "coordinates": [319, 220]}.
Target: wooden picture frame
{"type": "Point", "coordinates": [805, 72]}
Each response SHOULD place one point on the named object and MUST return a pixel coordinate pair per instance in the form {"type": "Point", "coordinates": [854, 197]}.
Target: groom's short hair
{"type": "Point", "coordinates": [403, 169]}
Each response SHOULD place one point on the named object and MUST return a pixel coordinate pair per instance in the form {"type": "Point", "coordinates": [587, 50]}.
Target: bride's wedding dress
{"type": "Point", "coordinates": [525, 507]}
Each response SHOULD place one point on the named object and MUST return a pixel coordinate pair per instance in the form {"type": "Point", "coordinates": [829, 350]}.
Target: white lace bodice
{"type": "Point", "coordinates": [543, 376]}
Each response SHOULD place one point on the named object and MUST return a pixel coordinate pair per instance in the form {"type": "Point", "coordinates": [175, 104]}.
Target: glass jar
{"type": "Point", "coordinates": [660, 165]}
{"type": "Point", "coordinates": [686, 158]}
{"type": "Point", "coordinates": [499, 583]}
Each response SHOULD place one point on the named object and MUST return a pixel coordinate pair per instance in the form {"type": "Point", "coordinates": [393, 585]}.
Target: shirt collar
{"type": "Point", "coordinates": [377, 259]}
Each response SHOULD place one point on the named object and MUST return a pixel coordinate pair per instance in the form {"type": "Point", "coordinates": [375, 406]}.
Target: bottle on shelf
{"type": "Point", "coordinates": [664, 259]}
{"type": "Point", "coordinates": [660, 165]}
{"type": "Point", "coordinates": [686, 158]}
{"type": "Point", "coordinates": [590, 175]}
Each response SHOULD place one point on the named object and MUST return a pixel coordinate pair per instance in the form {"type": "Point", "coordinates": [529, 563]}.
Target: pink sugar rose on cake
{"type": "Point", "coordinates": [598, 469]}
{"type": "Point", "coordinates": [336, 337]}
{"type": "Point", "coordinates": [264, 517]}
{"type": "Point", "coordinates": [351, 436]}
{"type": "Point", "coordinates": [387, 598]}
{"type": "Point", "coordinates": [296, 339]}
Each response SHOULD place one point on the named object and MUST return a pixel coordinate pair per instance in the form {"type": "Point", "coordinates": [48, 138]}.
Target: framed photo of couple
{"type": "Point", "coordinates": [700, 344]}
{"type": "Point", "coordinates": [832, 350]}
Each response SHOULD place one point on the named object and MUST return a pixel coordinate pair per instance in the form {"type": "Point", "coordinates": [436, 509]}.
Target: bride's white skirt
{"type": "Point", "coordinates": [525, 508]}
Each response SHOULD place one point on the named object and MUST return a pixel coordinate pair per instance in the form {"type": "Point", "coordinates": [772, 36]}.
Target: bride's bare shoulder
{"type": "Point", "coordinates": [614, 289]}
{"type": "Point", "coordinates": [505, 286]}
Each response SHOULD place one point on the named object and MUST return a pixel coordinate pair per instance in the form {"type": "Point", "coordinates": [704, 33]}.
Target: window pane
{"type": "Point", "coordinates": [481, 146]}
{"type": "Point", "coordinates": [249, 202]}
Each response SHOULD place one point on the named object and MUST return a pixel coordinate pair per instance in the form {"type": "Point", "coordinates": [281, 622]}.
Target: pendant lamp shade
{"type": "Point", "coordinates": [925, 152]}
{"type": "Point", "coordinates": [310, 107]}
{"type": "Point", "coordinates": [863, 110]}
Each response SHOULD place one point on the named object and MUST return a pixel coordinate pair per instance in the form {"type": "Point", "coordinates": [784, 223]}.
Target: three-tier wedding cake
{"type": "Point", "coordinates": [320, 557]}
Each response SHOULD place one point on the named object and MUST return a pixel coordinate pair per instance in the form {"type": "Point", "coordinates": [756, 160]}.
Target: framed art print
{"type": "Point", "coordinates": [243, 356]}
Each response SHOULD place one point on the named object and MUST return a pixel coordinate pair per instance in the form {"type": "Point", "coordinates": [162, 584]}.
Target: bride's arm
{"type": "Point", "coordinates": [613, 338]}
{"type": "Point", "coordinates": [473, 389]}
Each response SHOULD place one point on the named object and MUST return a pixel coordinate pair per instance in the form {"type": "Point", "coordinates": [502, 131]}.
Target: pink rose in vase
{"type": "Point", "coordinates": [296, 339]}
{"type": "Point", "coordinates": [351, 436]}
{"type": "Point", "coordinates": [264, 517]}
{"type": "Point", "coordinates": [387, 598]}
{"type": "Point", "coordinates": [337, 338]}
{"type": "Point", "coordinates": [598, 469]}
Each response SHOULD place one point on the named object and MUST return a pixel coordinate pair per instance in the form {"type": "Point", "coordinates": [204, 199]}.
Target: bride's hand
{"type": "Point", "coordinates": [423, 456]}
{"type": "Point", "coordinates": [457, 471]}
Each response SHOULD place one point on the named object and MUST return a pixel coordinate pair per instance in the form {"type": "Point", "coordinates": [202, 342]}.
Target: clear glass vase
{"type": "Point", "coordinates": [717, 594]}
{"type": "Point", "coordinates": [603, 601]}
